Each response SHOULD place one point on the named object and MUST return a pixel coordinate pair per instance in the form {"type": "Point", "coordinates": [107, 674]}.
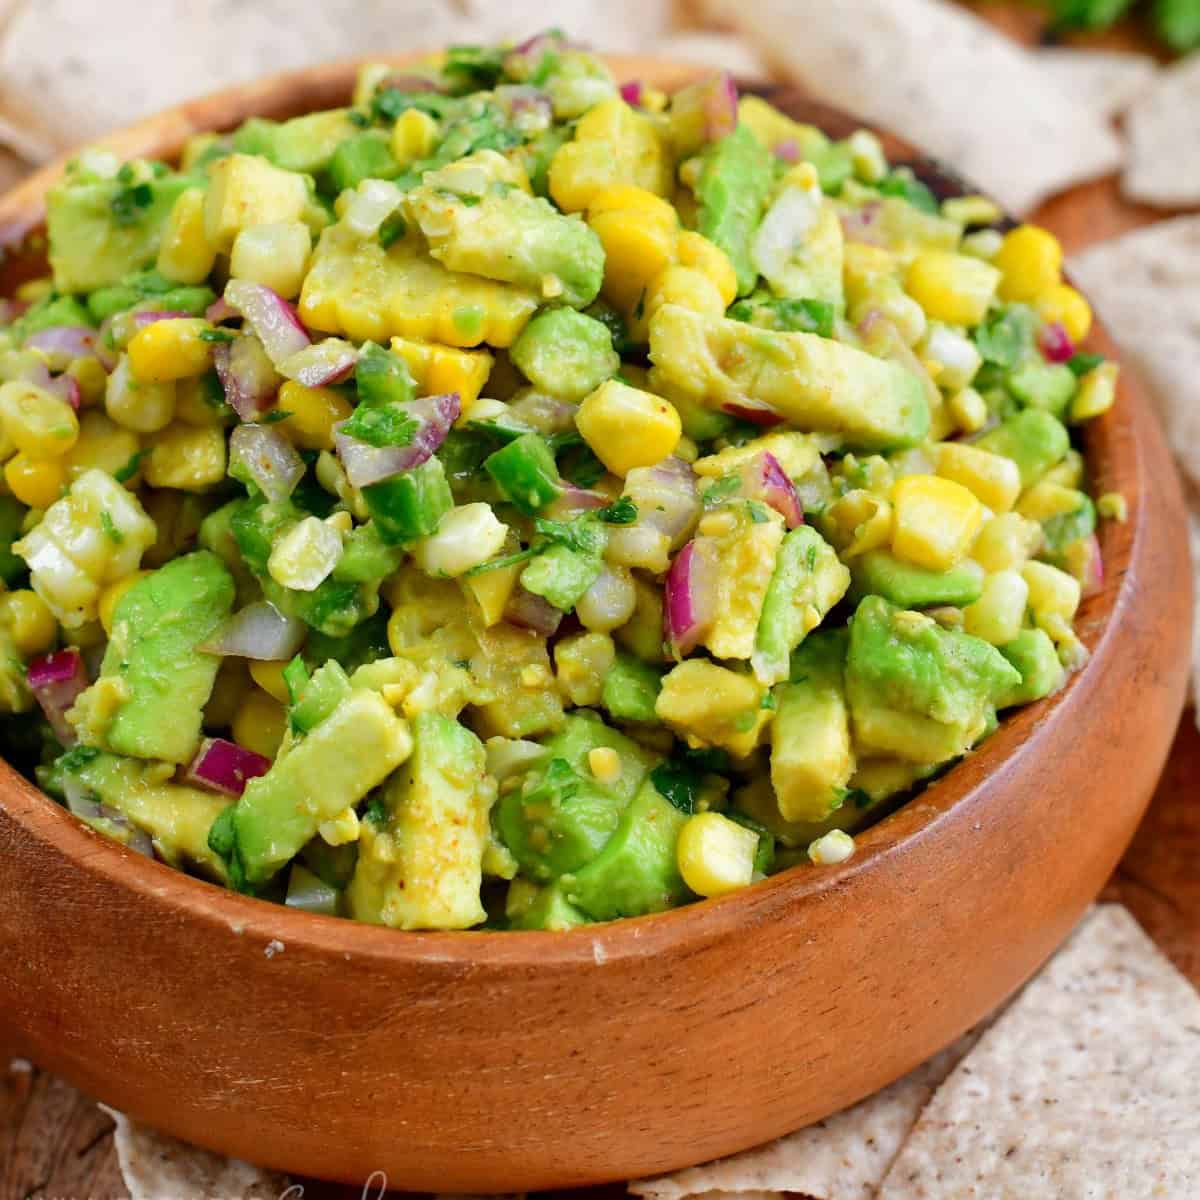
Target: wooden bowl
{"type": "Point", "coordinates": [476, 1062]}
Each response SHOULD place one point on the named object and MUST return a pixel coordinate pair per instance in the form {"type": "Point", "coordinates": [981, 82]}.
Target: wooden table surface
{"type": "Point", "coordinates": [55, 1143]}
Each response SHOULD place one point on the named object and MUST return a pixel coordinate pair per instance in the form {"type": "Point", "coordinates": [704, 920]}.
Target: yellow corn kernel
{"type": "Point", "coordinates": [1007, 541]}
{"type": "Point", "coordinates": [245, 190]}
{"type": "Point", "coordinates": [968, 409]}
{"type": "Point", "coordinates": [857, 522]}
{"type": "Point", "coordinates": [1113, 506]}
{"type": "Point", "coordinates": [1053, 598]}
{"type": "Point", "coordinates": [196, 403]}
{"type": "Point", "coordinates": [715, 855]}
{"type": "Point", "coordinates": [605, 764]}
{"type": "Point", "coordinates": [864, 267]}
{"type": "Point", "coordinates": [581, 662]}
{"type": "Point", "coordinates": [697, 251]}
{"type": "Point", "coordinates": [30, 622]}
{"type": "Point", "coordinates": [952, 287]}
{"type": "Point", "coordinates": [638, 245]}
{"type": "Point", "coordinates": [259, 723]}
{"type": "Point", "coordinates": [992, 478]}
{"type": "Point", "coordinates": [37, 482]}
{"type": "Point", "coordinates": [269, 677]}
{"type": "Point", "coordinates": [1030, 259]}
{"type": "Point", "coordinates": [999, 613]}
{"type": "Point", "coordinates": [935, 522]}
{"type": "Point", "coordinates": [190, 458]}
{"type": "Point", "coordinates": [102, 443]}
{"type": "Point", "coordinates": [314, 412]}
{"type": "Point", "coordinates": [831, 848]}
{"type": "Point", "coordinates": [185, 254]}
{"type": "Point", "coordinates": [628, 428]}
{"type": "Point", "coordinates": [33, 290]}
{"type": "Point", "coordinates": [438, 369]}
{"type": "Point", "coordinates": [170, 350]}
{"type": "Point", "coordinates": [1046, 500]}
{"type": "Point", "coordinates": [1068, 473]}
{"type": "Point", "coordinates": [36, 421]}
{"type": "Point", "coordinates": [112, 594]}
{"type": "Point", "coordinates": [1062, 303]}
{"type": "Point", "coordinates": [624, 197]}
{"type": "Point", "coordinates": [92, 378]}
{"type": "Point", "coordinates": [340, 830]}
{"type": "Point", "coordinates": [971, 210]}
{"type": "Point", "coordinates": [491, 591]}
{"type": "Point", "coordinates": [685, 286]}
{"type": "Point", "coordinates": [274, 254]}
{"type": "Point", "coordinates": [1097, 392]}
{"type": "Point", "coordinates": [413, 136]}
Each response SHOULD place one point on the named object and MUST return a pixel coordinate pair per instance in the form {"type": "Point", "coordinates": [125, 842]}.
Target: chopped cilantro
{"type": "Point", "coordinates": [767, 702]}
{"type": "Point", "coordinates": [758, 512]}
{"type": "Point", "coordinates": [472, 68]}
{"type": "Point", "coordinates": [719, 492]}
{"type": "Point", "coordinates": [217, 335]}
{"type": "Point", "coordinates": [376, 811]}
{"type": "Point", "coordinates": [76, 758]}
{"type": "Point", "coordinates": [581, 535]}
{"type": "Point", "coordinates": [1004, 338]}
{"type": "Point", "coordinates": [1084, 361]}
{"type": "Point", "coordinates": [295, 678]}
{"type": "Point", "coordinates": [621, 511]}
{"type": "Point", "coordinates": [507, 560]}
{"type": "Point", "coordinates": [130, 203]}
{"type": "Point", "coordinates": [274, 416]}
{"type": "Point", "coordinates": [903, 183]}
{"type": "Point", "coordinates": [810, 559]}
{"type": "Point", "coordinates": [111, 531]}
{"type": "Point", "coordinates": [383, 426]}
{"type": "Point", "coordinates": [392, 230]}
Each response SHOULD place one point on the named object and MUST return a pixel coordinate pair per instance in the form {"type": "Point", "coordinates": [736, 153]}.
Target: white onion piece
{"type": "Point", "coordinates": [609, 602]}
{"type": "Point", "coordinates": [532, 612]}
{"type": "Point", "coordinates": [667, 496]}
{"type": "Point", "coordinates": [321, 364]}
{"type": "Point", "coordinates": [365, 464]}
{"type": "Point", "coordinates": [271, 317]}
{"type": "Point", "coordinates": [247, 376]}
{"type": "Point", "coordinates": [371, 205]}
{"type": "Point", "coordinates": [269, 458]}
{"type": "Point", "coordinates": [260, 632]}
{"type": "Point", "coordinates": [60, 345]}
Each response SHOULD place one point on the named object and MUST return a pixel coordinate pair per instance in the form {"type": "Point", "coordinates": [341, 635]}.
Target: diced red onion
{"type": "Point", "coordinates": [1055, 343]}
{"type": "Point", "coordinates": [224, 766]}
{"type": "Point", "coordinates": [756, 414]}
{"type": "Point", "coordinates": [787, 150]}
{"type": "Point", "coordinates": [763, 478]}
{"type": "Point", "coordinates": [269, 458]}
{"type": "Point", "coordinates": [1093, 580]}
{"type": "Point", "coordinates": [365, 464]}
{"type": "Point", "coordinates": [259, 631]}
{"type": "Point", "coordinates": [56, 681]}
{"type": "Point", "coordinates": [141, 319]}
{"type": "Point", "coordinates": [271, 317]}
{"type": "Point", "coordinates": [320, 364]}
{"type": "Point", "coordinates": [62, 344]}
{"type": "Point", "coordinates": [247, 376]}
{"type": "Point", "coordinates": [690, 599]}
{"type": "Point", "coordinates": [529, 108]}
{"type": "Point", "coordinates": [572, 500]}
{"type": "Point", "coordinates": [632, 92]}
{"type": "Point", "coordinates": [66, 387]}
{"type": "Point", "coordinates": [219, 311]}
{"type": "Point", "coordinates": [667, 496]}
{"type": "Point", "coordinates": [533, 612]}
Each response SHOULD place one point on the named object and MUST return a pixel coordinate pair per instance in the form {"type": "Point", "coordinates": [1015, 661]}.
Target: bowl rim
{"type": "Point", "coordinates": [1113, 453]}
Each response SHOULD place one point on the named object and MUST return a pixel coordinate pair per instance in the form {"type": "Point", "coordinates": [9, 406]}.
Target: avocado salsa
{"type": "Point", "coordinates": [517, 500]}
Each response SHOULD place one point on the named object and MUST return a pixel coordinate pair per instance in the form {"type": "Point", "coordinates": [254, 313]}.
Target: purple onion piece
{"type": "Point", "coordinates": [365, 464]}
{"type": "Point", "coordinates": [268, 457]}
{"type": "Point", "coordinates": [632, 92]}
{"type": "Point", "coordinates": [787, 151]}
{"type": "Point", "coordinates": [271, 317]}
{"type": "Point", "coordinates": [140, 320]}
{"type": "Point", "coordinates": [532, 612]}
{"type": "Point", "coordinates": [763, 478]}
{"type": "Point", "coordinates": [224, 766]}
{"type": "Point", "coordinates": [62, 344]}
{"type": "Point", "coordinates": [247, 376]}
{"type": "Point", "coordinates": [690, 597]}
{"type": "Point", "coordinates": [756, 414]}
{"type": "Point", "coordinates": [56, 681]}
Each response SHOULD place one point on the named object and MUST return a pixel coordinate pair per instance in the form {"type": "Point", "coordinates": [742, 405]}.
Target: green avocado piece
{"type": "Point", "coordinates": [1061, 530]}
{"type": "Point", "coordinates": [148, 285]}
{"type": "Point", "coordinates": [329, 770]}
{"type": "Point", "coordinates": [565, 353]}
{"type": "Point", "coordinates": [362, 155]}
{"type": "Point", "coordinates": [549, 909]}
{"type": "Point", "coordinates": [158, 627]}
{"type": "Point", "coordinates": [636, 872]}
{"type": "Point", "coordinates": [366, 557]}
{"type": "Point", "coordinates": [562, 575]}
{"type": "Point", "coordinates": [1034, 439]}
{"type": "Point", "coordinates": [411, 505]}
{"type": "Point", "coordinates": [584, 731]}
{"type": "Point", "coordinates": [878, 573]}
{"type": "Point", "coordinates": [101, 229]}
{"type": "Point", "coordinates": [304, 144]}
{"type": "Point", "coordinates": [510, 236]}
{"type": "Point", "coordinates": [15, 696]}
{"type": "Point", "coordinates": [630, 689]}
{"type": "Point", "coordinates": [917, 691]}
{"type": "Point", "coordinates": [1048, 386]}
{"type": "Point", "coordinates": [814, 383]}
{"type": "Point", "coordinates": [318, 696]}
{"type": "Point", "coordinates": [12, 515]}
{"type": "Point", "coordinates": [177, 818]}
{"type": "Point", "coordinates": [50, 311]}
{"type": "Point", "coordinates": [809, 580]}
{"type": "Point", "coordinates": [1033, 654]}
{"type": "Point", "coordinates": [811, 755]}
{"type": "Point", "coordinates": [424, 869]}
{"type": "Point", "coordinates": [736, 176]}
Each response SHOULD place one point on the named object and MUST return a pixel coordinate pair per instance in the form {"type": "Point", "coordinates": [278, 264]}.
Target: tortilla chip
{"type": "Point", "coordinates": [1089, 1085]}
{"type": "Point", "coordinates": [722, 51]}
{"type": "Point", "coordinates": [843, 1157]}
{"type": "Point", "coordinates": [1104, 81]}
{"type": "Point", "coordinates": [1146, 286]}
{"type": "Point", "coordinates": [932, 72]}
{"type": "Point", "coordinates": [1163, 127]}
{"type": "Point", "coordinates": [156, 1167]}
{"type": "Point", "coordinates": [625, 25]}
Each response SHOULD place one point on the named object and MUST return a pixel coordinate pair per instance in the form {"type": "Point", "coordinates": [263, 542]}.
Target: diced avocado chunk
{"type": "Point", "coordinates": [177, 818]}
{"type": "Point", "coordinates": [815, 383]}
{"type": "Point", "coordinates": [425, 868]}
{"type": "Point", "coordinates": [918, 691]}
{"type": "Point", "coordinates": [583, 732]}
{"type": "Point", "coordinates": [15, 696]}
{"type": "Point", "coordinates": [317, 697]}
{"type": "Point", "coordinates": [549, 909]}
{"type": "Point", "coordinates": [366, 557]}
{"type": "Point", "coordinates": [410, 505]}
{"type": "Point", "coordinates": [565, 353]}
{"type": "Point", "coordinates": [878, 573]}
{"type": "Point", "coordinates": [811, 755]}
{"type": "Point", "coordinates": [510, 236]}
{"type": "Point", "coordinates": [809, 580]}
{"type": "Point", "coordinates": [736, 176]}
{"type": "Point", "coordinates": [147, 285]}
{"type": "Point", "coordinates": [1033, 654]}
{"type": "Point", "coordinates": [155, 680]}
{"type": "Point", "coordinates": [561, 575]}
{"type": "Point", "coordinates": [329, 770]}
{"type": "Point", "coordinates": [50, 311]}
{"type": "Point", "coordinates": [101, 229]}
{"type": "Point", "coordinates": [1064, 528]}
{"type": "Point", "coordinates": [1034, 439]}
{"type": "Point", "coordinates": [304, 144]}
{"type": "Point", "coordinates": [630, 689]}
{"type": "Point", "coordinates": [12, 514]}
{"type": "Point", "coordinates": [799, 247]}
{"type": "Point", "coordinates": [525, 472]}
{"type": "Point", "coordinates": [636, 872]}
{"type": "Point", "coordinates": [363, 155]}
{"type": "Point", "coordinates": [1048, 386]}
{"type": "Point", "coordinates": [245, 190]}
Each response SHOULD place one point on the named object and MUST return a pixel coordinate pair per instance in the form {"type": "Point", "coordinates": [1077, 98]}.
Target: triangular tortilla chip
{"type": "Point", "coordinates": [623, 25]}
{"type": "Point", "coordinates": [1105, 81]}
{"type": "Point", "coordinates": [1163, 127]}
{"type": "Point", "coordinates": [1088, 1086]}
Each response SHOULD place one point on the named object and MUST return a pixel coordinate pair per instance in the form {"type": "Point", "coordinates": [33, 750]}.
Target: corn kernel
{"type": "Point", "coordinates": [269, 677]}
{"type": "Point", "coordinates": [628, 428]}
{"type": "Point", "coordinates": [36, 421]}
{"type": "Point", "coordinates": [413, 136]}
{"type": "Point", "coordinates": [983, 243]}
{"type": "Point", "coordinates": [1046, 500]}
{"type": "Point", "coordinates": [111, 595]}
{"type": "Point", "coordinates": [605, 764]}
{"type": "Point", "coordinates": [638, 245]}
{"type": "Point", "coordinates": [185, 254]}
{"type": "Point", "coordinates": [1113, 506]}
{"type": "Point", "coordinates": [30, 622]}
{"type": "Point", "coordinates": [465, 537]}
{"type": "Point", "coordinates": [1030, 259]}
{"type": "Point", "coordinates": [274, 254]}
{"type": "Point", "coordinates": [1053, 598]}
{"type": "Point", "coordinates": [971, 210]}
{"type": "Point", "coordinates": [968, 409]}
{"type": "Point", "coordinates": [190, 458]}
{"type": "Point", "coordinates": [170, 350]}
{"type": "Point", "coordinates": [37, 482]}
{"type": "Point", "coordinates": [1007, 541]}
{"type": "Point", "coordinates": [102, 443]}
{"type": "Point", "coordinates": [92, 378]}
{"type": "Point", "coordinates": [992, 478]}
{"type": "Point", "coordinates": [303, 557]}
{"type": "Point", "coordinates": [314, 411]}
{"type": "Point", "coordinates": [340, 830]}
{"type": "Point", "coordinates": [627, 198]}
{"type": "Point", "coordinates": [936, 520]}
{"type": "Point", "coordinates": [952, 287]}
{"type": "Point", "coordinates": [832, 848]}
{"type": "Point", "coordinates": [259, 723]}
{"type": "Point", "coordinates": [1063, 304]}
{"type": "Point", "coordinates": [715, 855]}
{"type": "Point", "coordinates": [1097, 392]}
{"type": "Point", "coordinates": [491, 591]}
{"type": "Point", "coordinates": [685, 286]}
{"type": "Point", "coordinates": [438, 369]}
{"type": "Point", "coordinates": [695, 250]}
{"type": "Point", "coordinates": [999, 613]}
{"type": "Point", "coordinates": [142, 407]}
